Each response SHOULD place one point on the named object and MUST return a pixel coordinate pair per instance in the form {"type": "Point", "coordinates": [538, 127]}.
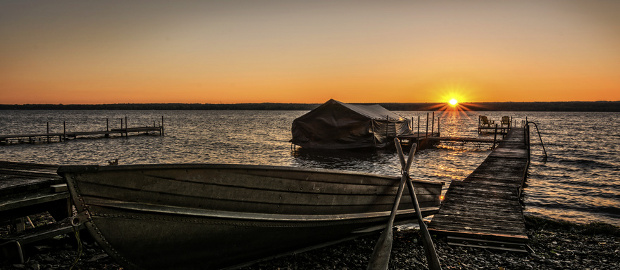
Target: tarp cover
{"type": "Point", "coordinates": [337, 125]}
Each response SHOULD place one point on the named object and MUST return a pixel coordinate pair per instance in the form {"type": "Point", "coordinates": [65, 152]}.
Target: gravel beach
{"type": "Point", "coordinates": [555, 245]}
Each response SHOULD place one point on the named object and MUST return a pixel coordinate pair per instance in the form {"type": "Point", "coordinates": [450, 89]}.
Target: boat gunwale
{"type": "Point", "coordinates": [197, 212]}
{"type": "Point", "coordinates": [187, 166]}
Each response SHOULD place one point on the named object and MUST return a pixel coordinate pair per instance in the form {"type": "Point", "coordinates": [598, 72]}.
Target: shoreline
{"type": "Point", "coordinates": [555, 106]}
{"type": "Point", "coordinates": [555, 244]}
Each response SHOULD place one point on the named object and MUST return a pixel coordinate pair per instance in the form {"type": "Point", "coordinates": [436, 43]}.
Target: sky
{"type": "Point", "coordinates": [97, 52]}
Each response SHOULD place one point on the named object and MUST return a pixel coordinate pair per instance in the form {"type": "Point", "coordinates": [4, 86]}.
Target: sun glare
{"type": "Point", "coordinates": [453, 102]}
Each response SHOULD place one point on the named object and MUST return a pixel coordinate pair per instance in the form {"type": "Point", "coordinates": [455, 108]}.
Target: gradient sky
{"type": "Point", "coordinates": [92, 52]}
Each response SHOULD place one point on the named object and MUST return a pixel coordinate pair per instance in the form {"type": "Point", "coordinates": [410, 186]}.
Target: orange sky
{"type": "Point", "coordinates": [92, 52]}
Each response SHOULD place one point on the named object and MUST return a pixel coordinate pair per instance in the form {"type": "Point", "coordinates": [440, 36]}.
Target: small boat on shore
{"type": "Point", "coordinates": [212, 216]}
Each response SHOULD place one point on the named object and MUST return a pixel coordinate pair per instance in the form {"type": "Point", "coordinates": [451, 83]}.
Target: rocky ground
{"type": "Point", "coordinates": [555, 245]}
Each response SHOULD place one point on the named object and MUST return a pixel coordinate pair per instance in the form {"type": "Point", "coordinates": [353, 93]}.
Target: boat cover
{"type": "Point", "coordinates": [337, 125]}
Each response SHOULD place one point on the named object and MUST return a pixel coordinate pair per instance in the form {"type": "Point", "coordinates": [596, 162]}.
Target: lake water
{"type": "Point", "coordinates": [578, 182]}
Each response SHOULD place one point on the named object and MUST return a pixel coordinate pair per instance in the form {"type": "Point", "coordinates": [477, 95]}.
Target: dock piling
{"type": "Point", "coordinates": [426, 125]}
{"type": "Point", "coordinates": [107, 127]}
{"type": "Point", "coordinates": [433, 124]}
{"type": "Point", "coordinates": [494, 137]}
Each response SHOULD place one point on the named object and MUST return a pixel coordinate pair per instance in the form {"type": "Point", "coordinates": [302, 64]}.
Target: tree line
{"type": "Point", "coordinates": [571, 106]}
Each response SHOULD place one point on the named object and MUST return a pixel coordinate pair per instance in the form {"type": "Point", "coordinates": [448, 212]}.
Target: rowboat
{"type": "Point", "coordinates": [213, 216]}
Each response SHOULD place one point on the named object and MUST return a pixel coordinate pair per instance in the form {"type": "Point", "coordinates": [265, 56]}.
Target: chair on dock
{"type": "Point", "coordinates": [483, 121]}
{"type": "Point", "coordinates": [505, 121]}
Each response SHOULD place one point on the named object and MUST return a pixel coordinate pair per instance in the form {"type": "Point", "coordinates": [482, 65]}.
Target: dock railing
{"type": "Point", "coordinates": [539, 137]}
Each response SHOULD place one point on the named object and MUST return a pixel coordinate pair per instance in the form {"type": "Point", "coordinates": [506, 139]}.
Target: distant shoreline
{"type": "Point", "coordinates": [569, 106]}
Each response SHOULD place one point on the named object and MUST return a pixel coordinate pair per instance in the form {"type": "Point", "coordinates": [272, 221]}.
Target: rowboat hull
{"type": "Point", "coordinates": [209, 216]}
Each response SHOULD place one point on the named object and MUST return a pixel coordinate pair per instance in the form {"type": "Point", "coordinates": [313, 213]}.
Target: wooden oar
{"type": "Point", "coordinates": [429, 248]}
{"type": "Point", "coordinates": [381, 254]}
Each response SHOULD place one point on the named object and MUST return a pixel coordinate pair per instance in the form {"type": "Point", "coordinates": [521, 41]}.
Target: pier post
{"type": "Point", "coordinates": [64, 130]}
{"type": "Point", "coordinates": [418, 128]}
{"type": "Point", "coordinates": [121, 127]}
{"type": "Point", "coordinates": [438, 122]}
{"type": "Point", "coordinates": [48, 132]}
{"type": "Point", "coordinates": [387, 126]}
{"type": "Point", "coordinates": [526, 135]}
{"type": "Point", "coordinates": [107, 127]}
{"type": "Point", "coordinates": [426, 126]}
{"type": "Point", "coordinates": [162, 126]}
{"type": "Point", "coordinates": [495, 137]}
{"type": "Point", "coordinates": [433, 125]}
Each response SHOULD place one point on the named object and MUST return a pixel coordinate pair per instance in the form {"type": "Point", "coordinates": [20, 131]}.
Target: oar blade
{"type": "Point", "coordinates": [383, 249]}
{"type": "Point", "coordinates": [380, 257]}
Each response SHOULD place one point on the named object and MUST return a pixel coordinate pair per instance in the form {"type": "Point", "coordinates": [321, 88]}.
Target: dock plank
{"type": "Point", "coordinates": [26, 188]}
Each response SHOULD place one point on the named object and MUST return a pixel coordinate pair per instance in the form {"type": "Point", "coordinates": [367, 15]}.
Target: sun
{"type": "Point", "coordinates": [453, 102]}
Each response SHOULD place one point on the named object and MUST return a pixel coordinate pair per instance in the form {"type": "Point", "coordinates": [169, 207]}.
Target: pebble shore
{"type": "Point", "coordinates": [555, 245]}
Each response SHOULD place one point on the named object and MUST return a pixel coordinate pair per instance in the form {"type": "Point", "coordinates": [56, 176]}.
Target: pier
{"type": "Point", "coordinates": [484, 210]}
{"type": "Point", "coordinates": [432, 137]}
{"type": "Point", "coordinates": [28, 189]}
{"type": "Point", "coordinates": [50, 137]}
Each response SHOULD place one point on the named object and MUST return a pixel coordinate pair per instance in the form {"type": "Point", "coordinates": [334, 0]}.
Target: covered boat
{"type": "Point", "coordinates": [210, 216]}
{"type": "Point", "coordinates": [337, 125]}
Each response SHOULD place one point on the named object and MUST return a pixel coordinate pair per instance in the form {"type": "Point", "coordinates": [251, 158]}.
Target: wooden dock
{"type": "Point", "coordinates": [484, 210]}
{"type": "Point", "coordinates": [424, 141]}
{"type": "Point", "coordinates": [28, 189]}
{"type": "Point", "coordinates": [462, 139]}
{"type": "Point", "coordinates": [432, 136]}
{"type": "Point", "coordinates": [50, 137]}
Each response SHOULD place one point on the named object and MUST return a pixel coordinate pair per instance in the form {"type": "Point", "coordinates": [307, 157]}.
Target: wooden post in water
{"type": "Point", "coordinates": [48, 132]}
{"type": "Point", "coordinates": [387, 126]}
{"type": "Point", "coordinates": [162, 126]}
{"type": "Point", "coordinates": [438, 122]}
{"type": "Point", "coordinates": [426, 126]}
{"type": "Point", "coordinates": [107, 127]}
{"type": "Point", "coordinates": [418, 127]}
{"type": "Point", "coordinates": [495, 137]}
{"type": "Point", "coordinates": [527, 138]}
{"type": "Point", "coordinates": [433, 125]}
{"type": "Point", "coordinates": [64, 130]}
{"type": "Point", "coordinates": [121, 129]}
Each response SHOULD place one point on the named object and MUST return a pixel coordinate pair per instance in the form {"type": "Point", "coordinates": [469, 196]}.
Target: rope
{"type": "Point", "coordinates": [76, 231]}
